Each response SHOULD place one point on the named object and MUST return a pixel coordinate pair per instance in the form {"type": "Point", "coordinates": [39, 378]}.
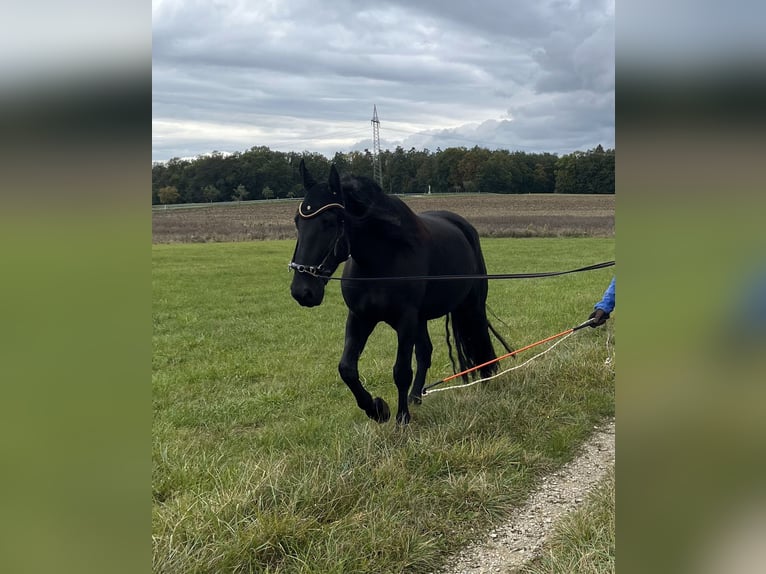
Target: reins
{"type": "Point", "coordinates": [311, 271]}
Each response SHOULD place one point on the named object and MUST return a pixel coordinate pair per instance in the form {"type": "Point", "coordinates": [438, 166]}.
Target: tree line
{"type": "Point", "coordinates": [260, 173]}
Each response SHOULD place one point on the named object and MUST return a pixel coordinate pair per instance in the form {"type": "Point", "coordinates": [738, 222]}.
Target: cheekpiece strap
{"type": "Point", "coordinates": [308, 210]}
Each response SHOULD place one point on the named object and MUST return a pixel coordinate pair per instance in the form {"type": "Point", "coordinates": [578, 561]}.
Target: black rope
{"type": "Point", "coordinates": [497, 276]}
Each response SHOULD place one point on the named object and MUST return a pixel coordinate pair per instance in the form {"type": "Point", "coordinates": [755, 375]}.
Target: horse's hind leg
{"type": "Point", "coordinates": [423, 351]}
{"type": "Point", "coordinates": [407, 332]}
{"type": "Point", "coordinates": [357, 333]}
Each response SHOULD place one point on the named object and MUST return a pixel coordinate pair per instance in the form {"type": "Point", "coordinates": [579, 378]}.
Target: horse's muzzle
{"type": "Point", "coordinates": [307, 294]}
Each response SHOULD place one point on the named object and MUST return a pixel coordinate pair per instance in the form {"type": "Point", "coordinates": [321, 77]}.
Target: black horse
{"type": "Point", "coordinates": [385, 239]}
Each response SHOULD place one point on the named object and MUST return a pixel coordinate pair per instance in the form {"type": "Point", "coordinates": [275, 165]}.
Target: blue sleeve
{"type": "Point", "coordinates": [607, 302]}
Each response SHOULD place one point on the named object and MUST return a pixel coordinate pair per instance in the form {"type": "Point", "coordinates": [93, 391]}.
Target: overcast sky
{"type": "Point", "coordinates": [298, 75]}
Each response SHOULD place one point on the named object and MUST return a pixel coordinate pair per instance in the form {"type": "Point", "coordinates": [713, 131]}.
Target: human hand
{"type": "Point", "coordinates": [599, 317]}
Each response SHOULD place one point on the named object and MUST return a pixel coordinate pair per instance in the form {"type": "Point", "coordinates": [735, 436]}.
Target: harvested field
{"type": "Point", "coordinates": [492, 215]}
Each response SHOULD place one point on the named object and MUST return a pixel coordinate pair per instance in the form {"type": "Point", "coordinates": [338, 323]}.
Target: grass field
{"type": "Point", "coordinates": [493, 215]}
{"type": "Point", "coordinates": [263, 463]}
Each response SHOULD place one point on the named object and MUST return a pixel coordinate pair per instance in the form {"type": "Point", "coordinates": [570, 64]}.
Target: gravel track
{"type": "Point", "coordinates": [521, 539]}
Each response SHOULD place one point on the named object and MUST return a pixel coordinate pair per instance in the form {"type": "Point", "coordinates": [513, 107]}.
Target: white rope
{"type": "Point", "coordinates": [524, 364]}
{"type": "Point", "coordinates": [609, 362]}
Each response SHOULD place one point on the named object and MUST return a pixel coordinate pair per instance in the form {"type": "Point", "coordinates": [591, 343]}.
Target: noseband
{"type": "Point", "coordinates": [318, 270]}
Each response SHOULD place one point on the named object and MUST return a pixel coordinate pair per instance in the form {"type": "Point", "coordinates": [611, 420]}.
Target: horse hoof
{"type": "Point", "coordinates": [380, 412]}
{"type": "Point", "coordinates": [403, 418]}
{"type": "Point", "coordinates": [415, 400]}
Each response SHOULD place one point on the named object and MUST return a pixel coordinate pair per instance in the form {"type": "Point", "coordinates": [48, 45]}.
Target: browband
{"type": "Point", "coordinates": [318, 211]}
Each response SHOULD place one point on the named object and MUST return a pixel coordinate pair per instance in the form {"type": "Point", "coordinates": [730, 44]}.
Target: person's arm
{"type": "Point", "coordinates": [603, 308]}
{"type": "Point", "coordinates": [607, 301]}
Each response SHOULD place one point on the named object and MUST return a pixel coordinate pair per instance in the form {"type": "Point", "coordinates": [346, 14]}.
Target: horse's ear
{"type": "Point", "coordinates": [335, 181]}
{"type": "Point", "coordinates": [308, 181]}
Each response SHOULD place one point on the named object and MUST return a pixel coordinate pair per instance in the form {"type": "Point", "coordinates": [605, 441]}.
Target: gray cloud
{"type": "Point", "coordinates": [299, 75]}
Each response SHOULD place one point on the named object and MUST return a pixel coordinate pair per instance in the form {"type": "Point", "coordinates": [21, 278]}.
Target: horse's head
{"type": "Point", "coordinates": [322, 243]}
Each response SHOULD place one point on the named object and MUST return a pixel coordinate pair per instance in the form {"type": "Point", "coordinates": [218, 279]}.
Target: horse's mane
{"type": "Point", "coordinates": [366, 204]}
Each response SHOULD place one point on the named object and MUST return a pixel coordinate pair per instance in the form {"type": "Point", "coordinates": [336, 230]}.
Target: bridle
{"type": "Point", "coordinates": [319, 270]}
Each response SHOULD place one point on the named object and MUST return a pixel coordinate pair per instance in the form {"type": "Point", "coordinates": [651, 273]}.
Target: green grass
{"type": "Point", "coordinates": [262, 461]}
{"type": "Point", "coordinates": [584, 541]}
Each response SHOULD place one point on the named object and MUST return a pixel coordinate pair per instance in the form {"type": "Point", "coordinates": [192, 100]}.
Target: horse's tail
{"type": "Point", "coordinates": [470, 326]}
{"type": "Point", "coordinates": [470, 329]}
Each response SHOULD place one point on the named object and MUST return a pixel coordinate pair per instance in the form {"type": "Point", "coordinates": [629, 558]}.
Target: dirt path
{"type": "Point", "coordinates": [515, 543]}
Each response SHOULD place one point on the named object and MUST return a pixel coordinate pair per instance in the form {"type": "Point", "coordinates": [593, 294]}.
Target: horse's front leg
{"type": "Point", "coordinates": [406, 330]}
{"type": "Point", "coordinates": [358, 331]}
